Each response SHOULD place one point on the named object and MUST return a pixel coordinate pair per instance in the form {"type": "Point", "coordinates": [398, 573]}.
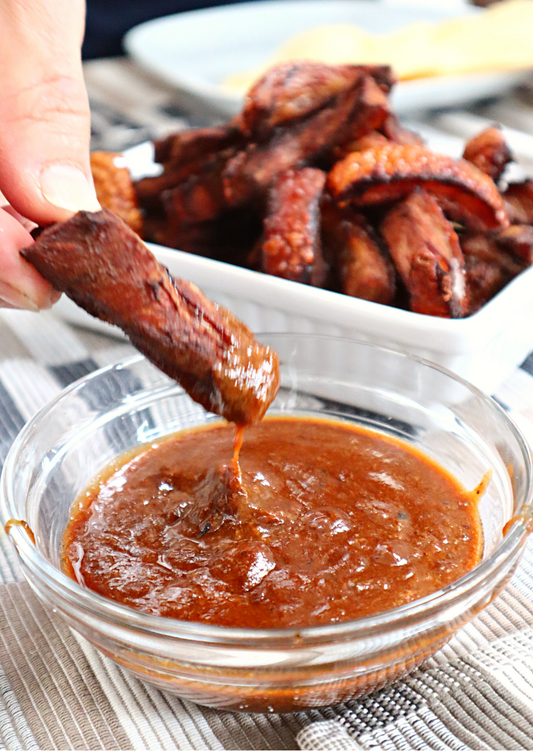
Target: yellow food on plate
{"type": "Point", "coordinates": [497, 39]}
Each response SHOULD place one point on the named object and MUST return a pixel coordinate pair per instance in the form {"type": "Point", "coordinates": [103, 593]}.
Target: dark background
{"type": "Point", "coordinates": [108, 20]}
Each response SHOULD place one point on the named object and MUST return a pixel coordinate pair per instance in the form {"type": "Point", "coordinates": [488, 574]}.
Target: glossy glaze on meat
{"type": "Point", "coordinates": [390, 172]}
{"type": "Point", "coordinates": [291, 245]}
{"type": "Point", "coordinates": [426, 252]}
{"type": "Point", "coordinates": [107, 270]}
{"type": "Point", "coordinates": [307, 115]}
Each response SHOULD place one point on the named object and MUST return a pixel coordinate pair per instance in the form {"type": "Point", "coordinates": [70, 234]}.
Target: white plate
{"type": "Point", "coordinates": [196, 51]}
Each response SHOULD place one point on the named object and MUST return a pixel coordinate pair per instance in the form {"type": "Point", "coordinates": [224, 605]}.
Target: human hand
{"type": "Point", "coordinates": [45, 172]}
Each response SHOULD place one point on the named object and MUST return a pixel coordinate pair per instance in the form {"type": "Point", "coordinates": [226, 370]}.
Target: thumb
{"type": "Point", "coordinates": [44, 111]}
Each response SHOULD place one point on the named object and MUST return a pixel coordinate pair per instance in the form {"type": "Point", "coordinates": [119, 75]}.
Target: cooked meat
{"type": "Point", "coordinates": [184, 154]}
{"type": "Point", "coordinates": [303, 118]}
{"type": "Point", "coordinates": [200, 197]}
{"type": "Point", "coordinates": [291, 245]}
{"type": "Point", "coordinates": [351, 245]}
{"type": "Point", "coordinates": [518, 240]}
{"type": "Point", "coordinates": [295, 89]}
{"type": "Point", "coordinates": [227, 238]}
{"type": "Point", "coordinates": [114, 188]}
{"type": "Point", "coordinates": [519, 202]}
{"type": "Point", "coordinates": [389, 130]}
{"type": "Point", "coordinates": [426, 252]}
{"type": "Point", "coordinates": [488, 267]}
{"type": "Point", "coordinates": [489, 152]}
{"type": "Point", "coordinates": [249, 174]}
{"type": "Point", "coordinates": [370, 140]}
{"type": "Point", "coordinates": [371, 113]}
{"type": "Point", "coordinates": [190, 146]}
{"type": "Point", "coordinates": [394, 131]}
{"type": "Point", "coordinates": [106, 269]}
{"type": "Point", "coordinates": [386, 173]}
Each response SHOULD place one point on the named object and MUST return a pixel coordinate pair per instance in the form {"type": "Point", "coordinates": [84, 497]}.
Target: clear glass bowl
{"type": "Point", "coordinates": [113, 410]}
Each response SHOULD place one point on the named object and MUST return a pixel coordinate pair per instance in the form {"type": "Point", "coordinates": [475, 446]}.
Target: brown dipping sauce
{"type": "Point", "coordinates": [328, 522]}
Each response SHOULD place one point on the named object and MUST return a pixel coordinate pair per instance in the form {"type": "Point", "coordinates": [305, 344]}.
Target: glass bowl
{"type": "Point", "coordinates": [111, 411]}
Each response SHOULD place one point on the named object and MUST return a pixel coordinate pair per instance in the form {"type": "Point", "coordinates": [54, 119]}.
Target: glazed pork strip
{"type": "Point", "coordinates": [489, 152]}
{"type": "Point", "coordinates": [249, 174]}
{"type": "Point", "coordinates": [184, 154]}
{"type": "Point", "coordinates": [518, 199]}
{"type": "Point", "coordinates": [107, 270]}
{"type": "Point", "coordinates": [371, 114]}
{"type": "Point", "coordinates": [114, 188]}
{"type": "Point", "coordinates": [488, 267]}
{"type": "Point", "coordinates": [425, 250]}
{"type": "Point", "coordinates": [200, 197]}
{"type": "Point", "coordinates": [518, 241]}
{"type": "Point", "coordinates": [387, 129]}
{"type": "Point", "coordinates": [394, 131]}
{"type": "Point", "coordinates": [291, 244]}
{"type": "Point", "coordinates": [352, 248]}
{"type": "Point", "coordinates": [293, 90]}
{"type": "Point", "coordinates": [190, 146]}
{"type": "Point", "coordinates": [387, 173]}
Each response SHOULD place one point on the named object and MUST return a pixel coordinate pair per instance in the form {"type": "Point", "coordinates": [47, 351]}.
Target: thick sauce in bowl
{"type": "Point", "coordinates": [324, 522]}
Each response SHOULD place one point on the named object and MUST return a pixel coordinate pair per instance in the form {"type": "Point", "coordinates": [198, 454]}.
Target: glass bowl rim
{"type": "Point", "coordinates": [192, 631]}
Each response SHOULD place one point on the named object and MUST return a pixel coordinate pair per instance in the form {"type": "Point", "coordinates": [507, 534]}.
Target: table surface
{"type": "Point", "coordinates": [57, 692]}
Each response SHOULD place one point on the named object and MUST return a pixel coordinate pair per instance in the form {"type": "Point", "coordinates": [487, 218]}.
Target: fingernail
{"type": "Point", "coordinates": [15, 298]}
{"type": "Point", "coordinates": [66, 186]}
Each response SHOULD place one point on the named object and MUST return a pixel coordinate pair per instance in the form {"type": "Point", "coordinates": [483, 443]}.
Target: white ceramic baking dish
{"type": "Point", "coordinates": [483, 348]}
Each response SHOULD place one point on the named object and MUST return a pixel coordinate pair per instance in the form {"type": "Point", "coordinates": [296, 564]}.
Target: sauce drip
{"type": "Point", "coordinates": [19, 523]}
{"type": "Point", "coordinates": [310, 522]}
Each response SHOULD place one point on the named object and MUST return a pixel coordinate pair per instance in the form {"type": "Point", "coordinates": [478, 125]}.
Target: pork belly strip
{"type": "Point", "coordinates": [293, 90]}
{"type": "Point", "coordinates": [107, 270]}
{"type": "Point", "coordinates": [488, 267]}
{"type": "Point", "coordinates": [517, 240]}
{"type": "Point", "coordinates": [200, 197]}
{"type": "Point", "coordinates": [291, 245]}
{"type": "Point", "coordinates": [351, 246]}
{"type": "Point", "coordinates": [489, 152]}
{"type": "Point", "coordinates": [387, 173]}
{"type": "Point", "coordinates": [425, 250]}
{"type": "Point", "coordinates": [188, 146]}
{"type": "Point", "coordinates": [114, 188]}
{"type": "Point", "coordinates": [184, 154]}
{"type": "Point", "coordinates": [250, 173]}
{"type": "Point", "coordinates": [370, 114]}
{"type": "Point", "coordinates": [394, 131]}
{"type": "Point", "coordinates": [519, 201]}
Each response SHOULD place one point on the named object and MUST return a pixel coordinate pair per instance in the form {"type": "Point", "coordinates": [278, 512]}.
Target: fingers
{"type": "Point", "coordinates": [21, 286]}
{"type": "Point", "coordinates": [26, 223]}
{"type": "Point", "coordinates": [44, 111]}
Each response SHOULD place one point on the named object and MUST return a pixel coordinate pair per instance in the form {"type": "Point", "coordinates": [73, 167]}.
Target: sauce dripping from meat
{"type": "Point", "coordinates": [310, 522]}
